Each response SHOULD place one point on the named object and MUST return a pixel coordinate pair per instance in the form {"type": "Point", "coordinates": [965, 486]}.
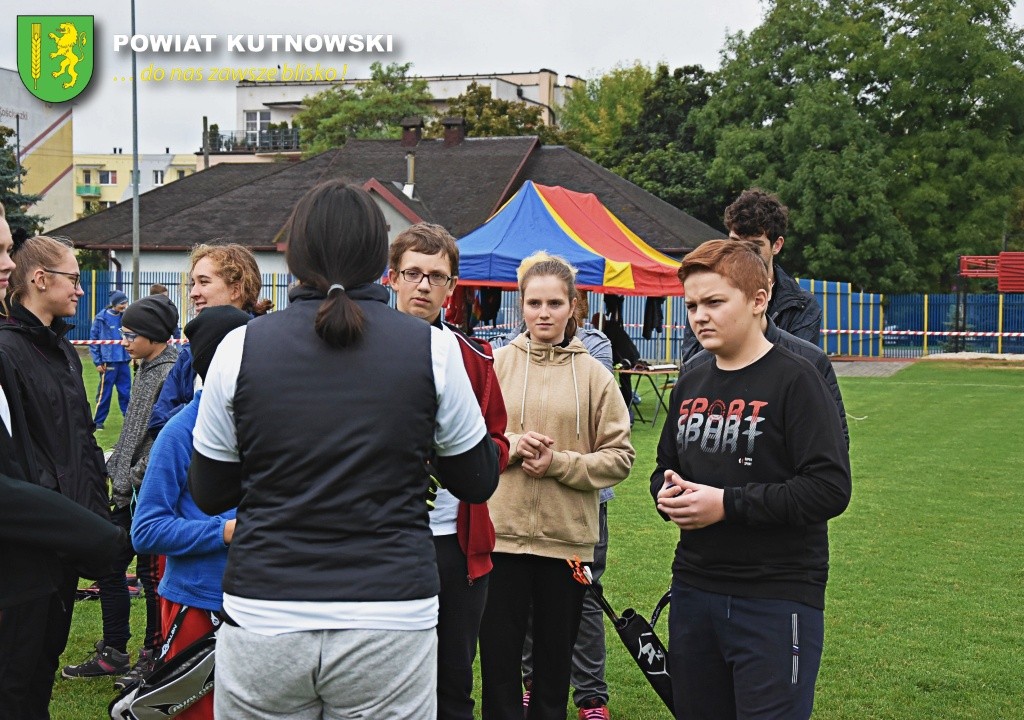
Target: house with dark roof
{"type": "Point", "coordinates": [457, 182]}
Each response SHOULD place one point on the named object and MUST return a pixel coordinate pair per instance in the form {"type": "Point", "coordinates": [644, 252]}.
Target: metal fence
{"type": "Point", "coordinates": [917, 325]}
{"type": "Point", "coordinates": [97, 286]}
{"type": "Point", "coordinates": [854, 323]}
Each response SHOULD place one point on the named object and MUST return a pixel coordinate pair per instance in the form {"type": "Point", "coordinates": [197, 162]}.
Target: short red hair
{"type": "Point", "coordinates": [738, 261]}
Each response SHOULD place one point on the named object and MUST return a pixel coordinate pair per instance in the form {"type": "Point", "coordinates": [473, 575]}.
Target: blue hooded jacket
{"type": "Point", "coordinates": [107, 326]}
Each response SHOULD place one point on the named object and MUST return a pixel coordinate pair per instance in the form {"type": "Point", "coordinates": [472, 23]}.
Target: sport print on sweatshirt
{"type": "Point", "coordinates": [717, 426]}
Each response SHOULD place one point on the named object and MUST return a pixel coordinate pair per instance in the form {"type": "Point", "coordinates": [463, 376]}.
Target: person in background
{"type": "Point", "coordinates": [751, 465]}
{"type": "Point", "coordinates": [54, 463]}
{"type": "Point", "coordinates": [145, 331]}
{"type": "Point", "coordinates": [167, 521]}
{"type": "Point", "coordinates": [569, 437]}
{"type": "Point", "coordinates": [760, 217]}
{"type": "Point", "coordinates": [159, 289]}
{"type": "Point", "coordinates": [220, 275]}
{"type": "Point", "coordinates": [423, 268]}
{"type": "Point", "coordinates": [332, 580]}
{"type": "Point", "coordinates": [111, 360]}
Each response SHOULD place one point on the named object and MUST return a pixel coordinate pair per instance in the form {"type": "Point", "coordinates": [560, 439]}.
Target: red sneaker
{"type": "Point", "coordinates": [599, 712]}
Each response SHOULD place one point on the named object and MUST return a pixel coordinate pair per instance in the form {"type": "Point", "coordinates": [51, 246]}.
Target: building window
{"type": "Point", "coordinates": [256, 121]}
{"type": "Point", "coordinates": [107, 203]}
{"type": "Point", "coordinates": [181, 174]}
{"type": "Point", "coordinates": [87, 177]}
{"type": "Point", "coordinates": [158, 177]}
{"type": "Point", "coordinates": [108, 177]}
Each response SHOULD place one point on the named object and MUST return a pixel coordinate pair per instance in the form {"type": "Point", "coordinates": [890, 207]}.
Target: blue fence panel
{"type": "Point", "coordinates": [903, 314]}
{"type": "Point", "coordinates": [854, 323]}
{"type": "Point", "coordinates": [1013, 322]}
{"type": "Point", "coordinates": [97, 286]}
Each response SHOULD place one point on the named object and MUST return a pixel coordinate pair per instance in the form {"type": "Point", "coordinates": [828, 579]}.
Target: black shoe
{"type": "Point", "coordinates": [139, 672]}
{"type": "Point", "coordinates": [105, 661]}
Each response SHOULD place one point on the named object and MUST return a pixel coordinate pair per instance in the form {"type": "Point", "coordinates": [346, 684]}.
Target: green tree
{"type": "Point", "coordinates": [14, 202]}
{"type": "Point", "coordinates": [597, 111]}
{"type": "Point", "coordinates": [894, 131]}
{"type": "Point", "coordinates": [371, 109]}
{"type": "Point", "coordinates": [486, 116]}
{"type": "Point", "coordinates": [661, 152]}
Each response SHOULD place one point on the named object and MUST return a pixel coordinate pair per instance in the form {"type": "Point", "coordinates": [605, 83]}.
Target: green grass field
{"type": "Point", "coordinates": [923, 617]}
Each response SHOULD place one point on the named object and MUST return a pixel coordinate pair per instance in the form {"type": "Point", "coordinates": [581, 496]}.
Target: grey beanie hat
{"type": "Point", "coordinates": [153, 317]}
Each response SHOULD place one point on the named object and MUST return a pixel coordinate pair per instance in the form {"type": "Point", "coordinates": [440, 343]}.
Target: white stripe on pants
{"type": "Point", "coordinates": [330, 674]}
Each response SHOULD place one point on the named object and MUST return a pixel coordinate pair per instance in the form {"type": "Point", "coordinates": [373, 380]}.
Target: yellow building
{"type": "Point", "coordinates": [42, 141]}
{"type": "Point", "coordinates": [105, 179]}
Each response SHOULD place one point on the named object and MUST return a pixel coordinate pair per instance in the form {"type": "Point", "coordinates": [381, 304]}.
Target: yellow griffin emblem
{"type": "Point", "coordinates": [67, 40]}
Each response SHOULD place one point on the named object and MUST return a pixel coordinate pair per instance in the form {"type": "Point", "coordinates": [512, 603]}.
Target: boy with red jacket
{"type": "Point", "coordinates": [423, 266]}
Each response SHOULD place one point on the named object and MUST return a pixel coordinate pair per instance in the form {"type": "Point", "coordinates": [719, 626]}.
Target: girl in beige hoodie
{"type": "Point", "coordinates": [568, 428]}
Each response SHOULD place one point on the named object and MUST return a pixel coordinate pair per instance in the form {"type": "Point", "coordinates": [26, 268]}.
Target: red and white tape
{"type": "Point", "coordinates": [114, 342]}
{"type": "Point", "coordinates": [930, 333]}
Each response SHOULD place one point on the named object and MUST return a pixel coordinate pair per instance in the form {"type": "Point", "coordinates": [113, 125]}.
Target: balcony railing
{"type": "Point", "coordinates": [242, 141]}
{"type": "Point", "coordinates": [87, 190]}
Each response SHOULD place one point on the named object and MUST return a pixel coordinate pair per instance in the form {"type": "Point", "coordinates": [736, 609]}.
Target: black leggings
{"type": "Point", "coordinates": [115, 602]}
{"type": "Point", "coordinates": [519, 582]}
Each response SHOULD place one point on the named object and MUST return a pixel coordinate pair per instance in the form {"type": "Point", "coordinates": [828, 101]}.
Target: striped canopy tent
{"type": "Point", "coordinates": [609, 256]}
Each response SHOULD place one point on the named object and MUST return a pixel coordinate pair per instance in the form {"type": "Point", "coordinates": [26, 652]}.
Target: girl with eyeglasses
{"type": "Point", "coordinates": [49, 415]}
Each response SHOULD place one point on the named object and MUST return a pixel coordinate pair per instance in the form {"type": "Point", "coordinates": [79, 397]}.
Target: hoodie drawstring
{"type": "Point", "coordinates": [576, 389]}
{"type": "Point", "coordinates": [526, 377]}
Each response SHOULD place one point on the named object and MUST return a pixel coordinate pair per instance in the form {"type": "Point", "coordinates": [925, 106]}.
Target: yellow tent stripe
{"type": "Point", "coordinates": [640, 244]}
{"type": "Point", "coordinates": [616, 273]}
{"type": "Point", "coordinates": [565, 226]}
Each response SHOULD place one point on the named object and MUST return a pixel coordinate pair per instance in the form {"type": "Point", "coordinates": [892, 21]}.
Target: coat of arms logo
{"type": "Point", "coordinates": [55, 55]}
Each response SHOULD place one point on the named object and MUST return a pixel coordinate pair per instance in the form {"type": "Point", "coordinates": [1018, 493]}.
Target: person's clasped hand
{"type": "Point", "coordinates": [689, 505]}
{"type": "Point", "coordinates": [535, 449]}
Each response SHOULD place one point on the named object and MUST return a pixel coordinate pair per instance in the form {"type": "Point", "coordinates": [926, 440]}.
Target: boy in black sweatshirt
{"type": "Point", "coordinates": [752, 463]}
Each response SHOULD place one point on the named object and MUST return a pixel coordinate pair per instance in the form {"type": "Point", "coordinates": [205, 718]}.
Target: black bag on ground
{"type": "Point", "coordinates": [176, 685]}
{"type": "Point", "coordinates": [645, 647]}
{"type": "Point", "coordinates": [638, 635]}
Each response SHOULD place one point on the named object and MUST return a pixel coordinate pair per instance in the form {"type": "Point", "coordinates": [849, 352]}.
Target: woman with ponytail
{"type": "Point", "coordinates": [315, 425]}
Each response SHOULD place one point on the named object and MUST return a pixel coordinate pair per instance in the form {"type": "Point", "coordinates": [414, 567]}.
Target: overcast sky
{"type": "Point", "coordinates": [438, 37]}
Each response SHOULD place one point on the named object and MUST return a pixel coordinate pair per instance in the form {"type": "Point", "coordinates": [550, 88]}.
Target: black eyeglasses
{"type": "Point", "coordinates": [75, 277]}
{"type": "Point", "coordinates": [128, 335]}
{"type": "Point", "coordinates": [416, 276]}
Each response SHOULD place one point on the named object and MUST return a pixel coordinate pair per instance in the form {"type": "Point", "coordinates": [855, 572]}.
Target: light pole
{"type": "Point", "coordinates": [135, 171]}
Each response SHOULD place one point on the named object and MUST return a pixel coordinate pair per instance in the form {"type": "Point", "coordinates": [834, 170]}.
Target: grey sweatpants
{"type": "Point", "coordinates": [329, 674]}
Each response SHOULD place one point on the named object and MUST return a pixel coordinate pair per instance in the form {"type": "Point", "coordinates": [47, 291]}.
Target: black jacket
{"type": "Point", "coordinates": [791, 308]}
{"type": "Point", "coordinates": [40, 530]}
{"type": "Point", "coordinates": [814, 354]}
{"type": "Point", "coordinates": [46, 382]}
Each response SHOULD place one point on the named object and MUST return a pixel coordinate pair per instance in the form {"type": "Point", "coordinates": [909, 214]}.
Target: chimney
{"type": "Point", "coordinates": [412, 130]}
{"type": "Point", "coordinates": [454, 130]}
{"type": "Point", "coordinates": [409, 189]}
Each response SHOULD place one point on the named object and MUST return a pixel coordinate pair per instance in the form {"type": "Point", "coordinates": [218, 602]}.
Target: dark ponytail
{"type": "Point", "coordinates": [339, 321]}
{"type": "Point", "coordinates": [337, 239]}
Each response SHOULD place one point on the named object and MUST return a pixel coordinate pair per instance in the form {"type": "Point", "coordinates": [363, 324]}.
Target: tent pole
{"type": "Point", "coordinates": [668, 330]}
